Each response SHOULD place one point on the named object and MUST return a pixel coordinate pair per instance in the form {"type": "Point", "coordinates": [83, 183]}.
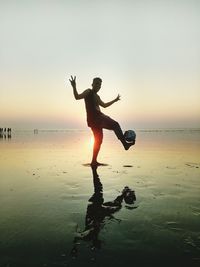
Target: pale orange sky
{"type": "Point", "coordinates": [147, 51]}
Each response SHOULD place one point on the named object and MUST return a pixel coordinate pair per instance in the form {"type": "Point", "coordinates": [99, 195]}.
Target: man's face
{"type": "Point", "coordinates": [96, 85]}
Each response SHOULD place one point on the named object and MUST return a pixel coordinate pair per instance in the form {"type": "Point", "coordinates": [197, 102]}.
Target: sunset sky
{"type": "Point", "coordinates": [148, 51]}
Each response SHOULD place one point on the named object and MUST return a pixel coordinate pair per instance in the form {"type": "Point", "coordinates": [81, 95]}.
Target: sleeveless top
{"type": "Point", "coordinates": [93, 114]}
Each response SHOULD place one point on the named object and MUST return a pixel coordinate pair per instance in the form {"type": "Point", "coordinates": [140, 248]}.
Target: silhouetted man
{"type": "Point", "coordinates": [96, 120]}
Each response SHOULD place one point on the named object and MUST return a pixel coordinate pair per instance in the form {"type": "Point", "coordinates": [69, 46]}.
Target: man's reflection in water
{"type": "Point", "coordinates": [98, 212]}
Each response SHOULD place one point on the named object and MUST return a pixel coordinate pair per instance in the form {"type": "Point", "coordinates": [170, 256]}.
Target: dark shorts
{"type": "Point", "coordinates": [105, 122]}
{"type": "Point", "coordinates": [102, 121]}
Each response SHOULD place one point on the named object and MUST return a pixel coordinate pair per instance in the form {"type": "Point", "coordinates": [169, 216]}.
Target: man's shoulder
{"type": "Point", "coordinates": [97, 96]}
{"type": "Point", "coordinates": [87, 91]}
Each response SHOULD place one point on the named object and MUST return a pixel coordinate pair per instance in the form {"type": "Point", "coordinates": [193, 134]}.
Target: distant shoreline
{"type": "Point", "coordinates": [137, 130]}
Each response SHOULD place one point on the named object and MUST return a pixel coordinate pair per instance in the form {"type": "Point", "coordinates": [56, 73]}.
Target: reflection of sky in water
{"type": "Point", "coordinates": [45, 189]}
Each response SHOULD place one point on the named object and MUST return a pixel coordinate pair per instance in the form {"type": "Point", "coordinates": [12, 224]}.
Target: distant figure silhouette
{"type": "Point", "coordinates": [96, 120]}
{"type": "Point", "coordinates": [1, 132]}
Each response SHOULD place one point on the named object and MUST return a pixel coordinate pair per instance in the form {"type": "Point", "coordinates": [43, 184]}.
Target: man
{"type": "Point", "coordinates": [96, 120]}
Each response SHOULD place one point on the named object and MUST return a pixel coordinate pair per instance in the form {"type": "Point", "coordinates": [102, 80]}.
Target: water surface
{"type": "Point", "coordinates": [48, 218]}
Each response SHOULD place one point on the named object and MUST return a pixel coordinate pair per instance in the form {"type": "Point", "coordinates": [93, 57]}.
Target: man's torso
{"type": "Point", "coordinates": [92, 108]}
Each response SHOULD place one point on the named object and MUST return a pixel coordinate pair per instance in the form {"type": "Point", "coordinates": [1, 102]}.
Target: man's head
{"type": "Point", "coordinates": [96, 84]}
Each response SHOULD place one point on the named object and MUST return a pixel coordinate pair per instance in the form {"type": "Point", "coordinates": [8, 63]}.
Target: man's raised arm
{"type": "Point", "coordinates": [76, 94]}
{"type": "Point", "coordinates": [105, 105]}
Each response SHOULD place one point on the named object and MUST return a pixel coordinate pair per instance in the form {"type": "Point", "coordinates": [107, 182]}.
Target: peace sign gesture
{"type": "Point", "coordinates": [73, 81]}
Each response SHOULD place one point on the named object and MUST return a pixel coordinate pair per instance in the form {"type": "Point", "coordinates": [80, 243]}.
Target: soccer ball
{"type": "Point", "coordinates": [130, 136]}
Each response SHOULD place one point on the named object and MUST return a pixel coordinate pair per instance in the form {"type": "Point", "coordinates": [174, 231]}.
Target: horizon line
{"type": "Point", "coordinates": [85, 129]}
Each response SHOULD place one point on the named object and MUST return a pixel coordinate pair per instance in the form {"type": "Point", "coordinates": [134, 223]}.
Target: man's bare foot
{"type": "Point", "coordinates": [129, 144]}
{"type": "Point", "coordinates": [96, 163]}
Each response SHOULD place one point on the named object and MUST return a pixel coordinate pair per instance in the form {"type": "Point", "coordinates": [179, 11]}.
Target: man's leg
{"type": "Point", "coordinates": [111, 124]}
{"type": "Point", "coordinates": [98, 138]}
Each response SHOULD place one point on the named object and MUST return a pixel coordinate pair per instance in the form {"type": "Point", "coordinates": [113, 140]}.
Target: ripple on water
{"type": "Point", "coordinates": [173, 226]}
{"type": "Point", "coordinates": [195, 211]}
{"type": "Point", "coordinates": [173, 170]}
{"type": "Point", "coordinates": [192, 243]}
{"type": "Point", "coordinates": [193, 165]}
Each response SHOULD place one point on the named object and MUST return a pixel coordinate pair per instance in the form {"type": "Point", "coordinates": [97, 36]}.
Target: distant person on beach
{"type": "Point", "coordinates": [96, 120]}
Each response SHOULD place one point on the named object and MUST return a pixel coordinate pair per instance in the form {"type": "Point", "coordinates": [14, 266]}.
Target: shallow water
{"type": "Point", "coordinates": [47, 220]}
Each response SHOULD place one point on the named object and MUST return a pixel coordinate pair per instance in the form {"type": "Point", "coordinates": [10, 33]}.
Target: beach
{"type": "Point", "coordinates": [55, 210]}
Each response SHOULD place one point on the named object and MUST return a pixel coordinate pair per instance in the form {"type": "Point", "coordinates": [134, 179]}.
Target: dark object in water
{"type": "Point", "coordinates": [128, 166]}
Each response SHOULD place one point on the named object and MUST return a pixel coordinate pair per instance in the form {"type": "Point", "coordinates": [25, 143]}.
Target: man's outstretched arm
{"type": "Point", "coordinates": [76, 94]}
{"type": "Point", "coordinates": [105, 105]}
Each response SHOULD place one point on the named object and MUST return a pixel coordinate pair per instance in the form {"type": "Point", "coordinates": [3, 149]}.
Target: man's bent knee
{"type": "Point", "coordinates": [116, 125]}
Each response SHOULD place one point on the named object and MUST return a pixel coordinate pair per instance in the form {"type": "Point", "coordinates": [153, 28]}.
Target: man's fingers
{"type": "Point", "coordinates": [73, 78]}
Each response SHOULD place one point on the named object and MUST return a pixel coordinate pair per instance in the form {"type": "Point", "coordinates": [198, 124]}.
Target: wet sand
{"type": "Point", "coordinates": [55, 211]}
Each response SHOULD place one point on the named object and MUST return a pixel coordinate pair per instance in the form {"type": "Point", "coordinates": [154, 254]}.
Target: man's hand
{"type": "Point", "coordinates": [117, 98]}
{"type": "Point", "coordinates": [105, 105]}
{"type": "Point", "coordinates": [73, 81]}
